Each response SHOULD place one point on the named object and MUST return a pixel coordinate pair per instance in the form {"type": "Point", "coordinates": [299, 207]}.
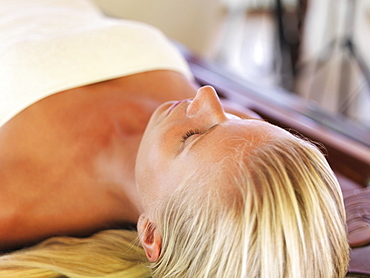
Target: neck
{"type": "Point", "coordinates": [128, 113]}
{"type": "Point", "coordinates": [114, 164]}
{"type": "Point", "coordinates": [115, 167]}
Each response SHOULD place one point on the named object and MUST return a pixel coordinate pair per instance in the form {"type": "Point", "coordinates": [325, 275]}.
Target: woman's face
{"type": "Point", "coordinates": [190, 135]}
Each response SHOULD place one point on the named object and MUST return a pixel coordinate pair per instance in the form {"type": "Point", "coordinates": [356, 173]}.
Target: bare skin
{"type": "Point", "coordinates": [185, 137]}
{"type": "Point", "coordinates": [67, 161]}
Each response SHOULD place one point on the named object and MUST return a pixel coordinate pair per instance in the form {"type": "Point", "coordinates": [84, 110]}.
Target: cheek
{"type": "Point", "coordinates": [162, 143]}
{"type": "Point", "coordinates": [158, 152]}
{"type": "Point", "coordinates": [152, 167]}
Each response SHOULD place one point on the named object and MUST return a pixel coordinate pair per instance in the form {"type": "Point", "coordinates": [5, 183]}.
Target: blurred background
{"type": "Point", "coordinates": [318, 50]}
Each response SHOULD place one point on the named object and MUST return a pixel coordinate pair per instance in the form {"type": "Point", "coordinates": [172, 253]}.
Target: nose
{"type": "Point", "coordinates": [207, 103]}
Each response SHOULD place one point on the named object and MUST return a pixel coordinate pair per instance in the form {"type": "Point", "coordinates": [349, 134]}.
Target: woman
{"type": "Point", "coordinates": [213, 195]}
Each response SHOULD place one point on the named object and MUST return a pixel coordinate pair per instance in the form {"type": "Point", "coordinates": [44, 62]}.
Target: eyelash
{"type": "Point", "coordinates": [190, 133]}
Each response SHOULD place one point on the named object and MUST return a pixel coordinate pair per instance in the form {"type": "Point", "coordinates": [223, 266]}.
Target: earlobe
{"type": "Point", "coordinates": [150, 238]}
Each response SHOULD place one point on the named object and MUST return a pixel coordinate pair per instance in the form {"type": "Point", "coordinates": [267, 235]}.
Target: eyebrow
{"type": "Point", "coordinates": [204, 135]}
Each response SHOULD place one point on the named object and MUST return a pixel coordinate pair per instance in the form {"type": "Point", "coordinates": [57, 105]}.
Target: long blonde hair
{"type": "Point", "coordinates": [277, 211]}
{"type": "Point", "coordinates": [109, 254]}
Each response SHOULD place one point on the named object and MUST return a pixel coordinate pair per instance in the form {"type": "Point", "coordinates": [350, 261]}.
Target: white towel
{"type": "Point", "coordinates": [47, 46]}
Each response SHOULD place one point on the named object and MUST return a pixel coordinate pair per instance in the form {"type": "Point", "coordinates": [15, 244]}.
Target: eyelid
{"type": "Point", "coordinates": [197, 131]}
{"type": "Point", "coordinates": [190, 133]}
{"type": "Point", "coordinates": [206, 132]}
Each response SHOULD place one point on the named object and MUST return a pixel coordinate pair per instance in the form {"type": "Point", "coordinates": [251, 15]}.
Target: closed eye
{"type": "Point", "coordinates": [204, 135]}
{"type": "Point", "coordinates": [190, 133]}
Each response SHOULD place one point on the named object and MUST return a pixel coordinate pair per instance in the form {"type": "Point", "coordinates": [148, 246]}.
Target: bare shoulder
{"type": "Point", "coordinates": [49, 180]}
{"type": "Point", "coordinates": [67, 161]}
{"type": "Point", "coordinates": [46, 184]}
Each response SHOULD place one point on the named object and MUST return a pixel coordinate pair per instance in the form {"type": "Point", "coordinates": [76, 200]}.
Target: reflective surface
{"type": "Point", "coordinates": [327, 76]}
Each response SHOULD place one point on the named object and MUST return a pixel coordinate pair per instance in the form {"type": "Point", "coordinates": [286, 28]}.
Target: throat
{"type": "Point", "coordinates": [114, 168]}
{"type": "Point", "coordinates": [124, 123]}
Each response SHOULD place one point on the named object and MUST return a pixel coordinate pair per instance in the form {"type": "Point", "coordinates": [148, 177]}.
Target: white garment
{"type": "Point", "coordinates": [47, 46]}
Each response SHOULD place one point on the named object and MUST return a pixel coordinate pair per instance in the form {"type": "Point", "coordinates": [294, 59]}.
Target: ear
{"type": "Point", "coordinates": [150, 238]}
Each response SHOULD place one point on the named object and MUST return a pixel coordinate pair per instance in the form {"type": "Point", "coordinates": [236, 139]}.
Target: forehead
{"type": "Point", "coordinates": [230, 137]}
{"type": "Point", "coordinates": [253, 131]}
{"type": "Point", "coordinates": [221, 150]}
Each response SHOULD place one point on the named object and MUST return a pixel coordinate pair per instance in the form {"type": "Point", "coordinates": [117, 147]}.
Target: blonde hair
{"type": "Point", "coordinates": [277, 213]}
{"type": "Point", "coordinates": [109, 254]}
